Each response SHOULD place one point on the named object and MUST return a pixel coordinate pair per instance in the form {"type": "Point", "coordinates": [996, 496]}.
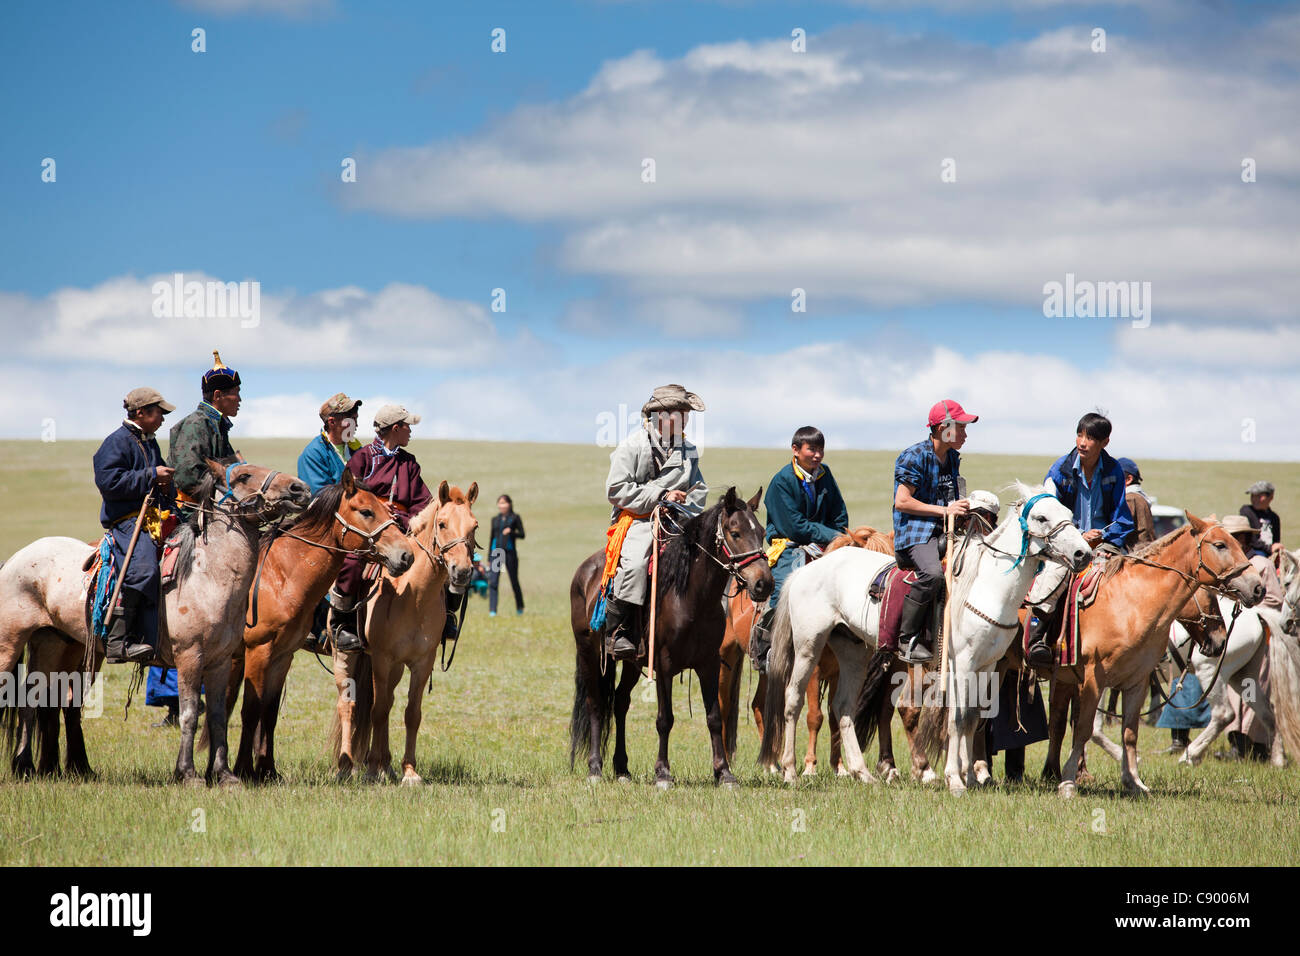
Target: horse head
{"type": "Point", "coordinates": [367, 525]}
{"type": "Point", "coordinates": [1221, 564]}
{"type": "Point", "coordinates": [262, 492]}
{"type": "Point", "coordinates": [454, 526]}
{"type": "Point", "coordinates": [740, 541]}
{"type": "Point", "coordinates": [1047, 528]}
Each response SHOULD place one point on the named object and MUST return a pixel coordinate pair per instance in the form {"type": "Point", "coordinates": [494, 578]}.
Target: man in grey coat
{"type": "Point", "coordinates": [652, 465]}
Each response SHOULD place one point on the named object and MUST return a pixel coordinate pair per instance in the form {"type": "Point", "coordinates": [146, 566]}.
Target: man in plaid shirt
{"type": "Point", "coordinates": [927, 485]}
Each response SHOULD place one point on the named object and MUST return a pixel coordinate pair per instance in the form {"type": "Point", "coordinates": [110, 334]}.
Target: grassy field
{"type": "Point", "coordinates": [494, 741]}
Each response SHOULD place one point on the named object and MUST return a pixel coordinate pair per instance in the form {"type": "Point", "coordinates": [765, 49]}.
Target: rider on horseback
{"type": "Point", "coordinates": [1090, 483]}
{"type": "Point", "coordinates": [805, 512]}
{"type": "Point", "coordinates": [927, 486]}
{"type": "Point", "coordinates": [654, 463]}
{"type": "Point", "coordinates": [127, 466]}
{"type": "Point", "coordinates": [205, 432]}
{"type": "Point", "coordinates": [391, 472]}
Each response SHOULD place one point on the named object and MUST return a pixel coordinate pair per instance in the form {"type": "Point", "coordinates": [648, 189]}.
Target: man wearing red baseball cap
{"type": "Point", "coordinates": [927, 485]}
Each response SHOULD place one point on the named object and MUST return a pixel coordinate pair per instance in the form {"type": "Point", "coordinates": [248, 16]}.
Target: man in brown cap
{"type": "Point", "coordinates": [326, 456]}
{"type": "Point", "coordinates": [654, 463]}
{"type": "Point", "coordinates": [128, 465]}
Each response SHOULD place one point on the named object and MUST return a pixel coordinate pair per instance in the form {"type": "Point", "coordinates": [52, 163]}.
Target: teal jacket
{"type": "Point", "coordinates": [804, 519]}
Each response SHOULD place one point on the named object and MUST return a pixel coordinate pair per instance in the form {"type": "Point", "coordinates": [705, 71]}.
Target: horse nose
{"type": "Point", "coordinates": [1258, 592]}
{"type": "Point", "coordinates": [762, 588]}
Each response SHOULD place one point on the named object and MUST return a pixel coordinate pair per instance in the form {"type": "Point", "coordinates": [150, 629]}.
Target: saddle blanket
{"type": "Point", "coordinates": [890, 587]}
{"type": "Point", "coordinates": [1081, 593]}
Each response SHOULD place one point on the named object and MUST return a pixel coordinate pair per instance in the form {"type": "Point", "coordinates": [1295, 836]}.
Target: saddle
{"type": "Point", "coordinates": [890, 587]}
{"type": "Point", "coordinates": [1080, 594]}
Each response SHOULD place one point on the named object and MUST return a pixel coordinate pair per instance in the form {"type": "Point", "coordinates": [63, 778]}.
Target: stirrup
{"type": "Point", "coordinates": [622, 649]}
{"type": "Point", "coordinates": [1040, 654]}
{"type": "Point", "coordinates": [914, 652]}
{"type": "Point", "coordinates": [345, 641]}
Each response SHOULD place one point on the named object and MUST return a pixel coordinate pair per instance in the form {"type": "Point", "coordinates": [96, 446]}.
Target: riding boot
{"type": "Point", "coordinates": [1040, 644]}
{"type": "Point", "coordinates": [124, 644]}
{"type": "Point", "coordinates": [343, 627]}
{"type": "Point", "coordinates": [912, 646]}
{"type": "Point", "coordinates": [760, 640]}
{"type": "Point", "coordinates": [451, 629]}
{"type": "Point", "coordinates": [318, 634]}
{"type": "Point", "coordinates": [1178, 740]}
{"type": "Point", "coordinates": [621, 618]}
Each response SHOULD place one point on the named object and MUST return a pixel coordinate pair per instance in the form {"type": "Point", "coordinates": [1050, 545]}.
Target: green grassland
{"type": "Point", "coordinates": [494, 747]}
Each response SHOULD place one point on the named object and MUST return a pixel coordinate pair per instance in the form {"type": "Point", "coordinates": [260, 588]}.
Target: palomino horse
{"type": "Point", "coordinates": [722, 543]}
{"type": "Point", "coordinates": [200, 615]}
{"type": "Point", "coordinates": [827, 603]}
{"type": "Point", "coordinates": [404, 622]}
{"type": "Point", "coordinates": [298, 567]}
{"type": "Point", "coordinates": [1123, 633]}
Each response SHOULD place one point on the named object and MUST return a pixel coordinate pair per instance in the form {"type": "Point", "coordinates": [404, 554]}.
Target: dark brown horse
{"type": "Point", "coordinates": [33, 730]}
{"type": "Point", "coordinates": [713, 548]}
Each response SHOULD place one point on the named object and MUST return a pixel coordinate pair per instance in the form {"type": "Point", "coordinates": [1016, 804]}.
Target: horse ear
{"type": "Point", "coordinates": [729, 499]}
{"type": "Point", "coordinates": [444, 493]}
{"type": "Point", "coordinates": [472, 495]}
{"type": "Point", "coordinates": [349, 483]}
{"type": "Point", "coordinates": [218, 471]}
{"type": "Point", "coordinates": [753, 502]}
{"type": "Point", "coordinates": [1198, 526]}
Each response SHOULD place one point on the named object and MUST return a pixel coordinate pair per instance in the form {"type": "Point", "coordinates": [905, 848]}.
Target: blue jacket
{"type": "Point", "coordinates": [1111, 476]}
{"type": "Point", "coordinates": [319, 465]}
{"type": "Point", "coordinates": [125, 469]}
{"type": "Point", "coordinates": [791, 514]}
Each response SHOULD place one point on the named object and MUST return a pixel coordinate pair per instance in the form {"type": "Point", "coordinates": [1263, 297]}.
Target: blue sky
{"type": "Point", "coordinates": [479, 170]}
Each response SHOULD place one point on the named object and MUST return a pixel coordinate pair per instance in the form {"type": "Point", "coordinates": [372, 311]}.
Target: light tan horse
{"type": "Point", "coordinates": [297, 569]}
{"type": "Point", "coordinates": [1123, 633]}
{"type": "Point", "coordinates": [404, 622]}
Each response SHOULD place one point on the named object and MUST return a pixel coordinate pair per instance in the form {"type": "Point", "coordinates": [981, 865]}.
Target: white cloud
{"type": "Point", "coordinates": [822, 170]}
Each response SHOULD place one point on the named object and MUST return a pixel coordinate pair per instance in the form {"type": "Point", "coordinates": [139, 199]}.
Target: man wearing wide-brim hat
{"type": "Point", "coordinates": [205, 432]}
{"type": "Point", "coordinates": [326, 456]}
{"type": "Point", "coordinates": [1240, 528]}
{"type": "Point", "coordinates": [128, 465]}
{"type": "Point", "coordinates": [392, 473]}
{"type": "Point", "coordinates": [654, 463]}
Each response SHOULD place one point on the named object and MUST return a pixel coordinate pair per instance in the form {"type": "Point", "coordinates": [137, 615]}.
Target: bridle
{"type": "Point", "coordinates": [437, 560]}
{"type": "Point", "coordinates": [1026, 534]}
{"type": "Point", "coordinates": [1218, 582]}
{"type": "Point", "coordinates": [735, 561]}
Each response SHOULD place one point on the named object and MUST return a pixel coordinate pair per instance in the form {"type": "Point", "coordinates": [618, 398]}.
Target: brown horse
{"type": "Point", "coordinates": [404, 622]}
{"type": "Point", "coordinates": [1124, 632]}
{"type": "Point", "coordinates": [297, 569]}
{"type": "Point", "coordinates": [711, 549]}
{"type": "Point", "coordinates": [34, 730]}
{"type": "Point", "coordinates": [741, 615]}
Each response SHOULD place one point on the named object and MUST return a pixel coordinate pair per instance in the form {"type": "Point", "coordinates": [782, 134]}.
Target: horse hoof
{"type": "Point", "coordinates": [842, 771]}
{"type": "Point", "coordinates": [594, 779]}
{"type": "Point", "coordinates": [623, 778]}
{"type": "Point", "coordinates": [1066, 789]}
{"type": "Point", "coordinates": [732, 784]}
{"type": "Point", "coordinates": [194, 782]}
{"type": "Point", "coordinates": [810, 770]}
{"type": "Point", "coordinates": [893, 776]}
{"type": "Point", "coordinates": [664, 783]}
{"type": "Point", "coordinates": [790, 778]}
{"type": "Point", "coordinates": [956, 787]}
{"type": "Point", "coordinates": [411, 780]}
{"type": "Point", "coordinates": [228, 781]}
{"type": "Point", "coordinates": [929, 778]}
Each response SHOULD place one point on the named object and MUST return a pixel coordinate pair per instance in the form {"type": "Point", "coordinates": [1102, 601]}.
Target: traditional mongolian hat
{"type": "Point", "coordinates": [220, 376]}
{"type": "Point", "coordinates": [671, 398]}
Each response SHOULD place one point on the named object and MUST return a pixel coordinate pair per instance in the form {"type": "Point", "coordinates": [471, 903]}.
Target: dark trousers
{"type": "Point", "coordinates": [142, 574]}
{"type": "Point", "coordinates": [494, 576]}
{"type": "Point", "coordinates": [925, 560]}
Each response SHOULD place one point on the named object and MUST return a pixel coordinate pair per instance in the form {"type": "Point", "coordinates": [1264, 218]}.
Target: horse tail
{"type": "Point", "coordinates": [1284, 690]}
{"type": "Point", "coordinates": [363, 690]}
{"type": "Point", "coordinates": [580, 720]}
{"type": "Point", "coordinates": [872, 697]}
{"type": "Point", "coordinates": [780, 667]}
{"type": "Point", "coordinates": [932, 733]}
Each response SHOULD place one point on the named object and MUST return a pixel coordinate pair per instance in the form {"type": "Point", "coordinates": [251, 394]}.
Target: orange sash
{"type": "Point", "coordinates": [614, 546]}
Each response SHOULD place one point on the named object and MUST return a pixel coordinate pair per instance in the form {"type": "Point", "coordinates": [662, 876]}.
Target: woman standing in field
{"type": "Point", "coordinates": [507, 528]}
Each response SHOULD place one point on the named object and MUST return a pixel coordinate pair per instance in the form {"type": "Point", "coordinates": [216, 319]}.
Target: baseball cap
{"type": "Point", "coordinates": [948, 410]}
{"type": "Point", "coordinates": [392, 414]}
{"type": "Point", "coordinates": [1129, 467]}
{"type": "Point", "coordinates": [140, 397]}
{"type": "Point", "coordinates": [337, 405]}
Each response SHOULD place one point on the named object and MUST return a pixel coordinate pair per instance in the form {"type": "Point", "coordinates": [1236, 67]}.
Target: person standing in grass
{"type": "Point", "coordinates": [507, 528]}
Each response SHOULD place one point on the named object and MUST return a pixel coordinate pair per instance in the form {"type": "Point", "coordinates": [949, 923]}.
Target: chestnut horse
{"type": "Point", "coordinates": [1124, 632]}
{"type": "Point", "coordinates": [712, 548]}
{"type": "Point", "coordinates": [735, 648]}
{"type": "Point", "coordinates": [404, 622]}
{"type": "Point", "coordinates": [298, 568]}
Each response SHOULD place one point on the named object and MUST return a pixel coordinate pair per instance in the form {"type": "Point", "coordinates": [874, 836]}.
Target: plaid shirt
{"type": "Point", "coordinates": [918, 466]}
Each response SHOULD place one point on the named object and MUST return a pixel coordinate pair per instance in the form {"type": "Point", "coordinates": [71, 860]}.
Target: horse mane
{"type": "Point", "coordinates": [422, 521]}
{"type": "Point", "coordinates": [680, 553]}
{"type": "Point", "coordinates": [1146, 551]}
{"type": "Point", "coordinates": [864, 536]}
{"type": "Point", "coordinates": [318, 517]}
{"type": "Point", "coordinates": [184, 536]}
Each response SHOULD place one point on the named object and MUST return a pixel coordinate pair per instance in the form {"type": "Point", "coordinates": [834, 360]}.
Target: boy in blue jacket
{"type": "Point", "coordinates": [805, 510]}
{"type": "Point", "coordinates": [1090, 483]}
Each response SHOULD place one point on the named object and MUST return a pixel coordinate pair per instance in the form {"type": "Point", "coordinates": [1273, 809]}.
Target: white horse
{"type": "Point", "coordinates": [827, 602]}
